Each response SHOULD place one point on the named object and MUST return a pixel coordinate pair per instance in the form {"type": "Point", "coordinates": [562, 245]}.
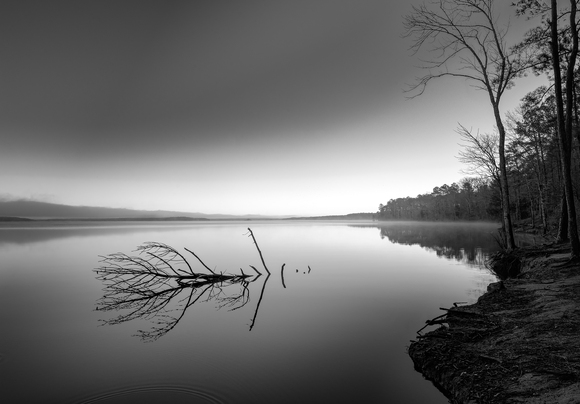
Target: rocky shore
{"type": "Point", "coordinates": [519, 343]}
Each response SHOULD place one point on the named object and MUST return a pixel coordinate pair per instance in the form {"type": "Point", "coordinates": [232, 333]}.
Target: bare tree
{"type": "Point", "coordinates": [480, 154]}
{"type": "Point", "coordinates": [467, 42]}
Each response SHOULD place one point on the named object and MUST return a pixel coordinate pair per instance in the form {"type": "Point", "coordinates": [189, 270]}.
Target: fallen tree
{"type": "Point", "coordinates": [159, 284]}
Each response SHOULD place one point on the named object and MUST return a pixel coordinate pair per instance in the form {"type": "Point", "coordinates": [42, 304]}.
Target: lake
{"type": "Point", "coordinates": [332, 326]}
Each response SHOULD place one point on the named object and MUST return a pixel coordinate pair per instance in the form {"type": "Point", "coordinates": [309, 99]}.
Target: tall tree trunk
{"type": "Point", "coordinates": [531, 201]}
{"type": "Point", "coordinates": [542, 208]}
{"type": "Point", "coordinates": [568, 187]}
{"type": "Point", "coordinates": [542, 178]}
{"type": "Point", "coordinates": [518, 204]}
{"type": "Point", "coordinates": [563, 222]}
{"type": "Point", "coordinates": [503, 181]}
{"type": "Point", "coordinates": [541, 194]}
{"type": "Point", "coordinates": [565, 122]}
{"type": "Point", "coordinates": [576, 122]}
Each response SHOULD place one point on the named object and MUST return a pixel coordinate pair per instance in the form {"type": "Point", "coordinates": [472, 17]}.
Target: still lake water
{"type": "Point", "coordinates": [333, 329]}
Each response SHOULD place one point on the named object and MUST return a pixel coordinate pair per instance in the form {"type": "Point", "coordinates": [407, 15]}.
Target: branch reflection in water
{"type": "Point", "coordinates": [159, 285]}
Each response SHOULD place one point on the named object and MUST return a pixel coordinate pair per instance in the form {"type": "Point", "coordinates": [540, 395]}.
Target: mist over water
{"type": "Point", "coordinates": [332, 327]}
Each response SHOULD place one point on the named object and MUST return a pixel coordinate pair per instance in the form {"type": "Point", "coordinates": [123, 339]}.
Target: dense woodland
{"type": "Point", "coordinates": [471, 199]}
{"type": "Point", "coordinates": [529, 169]}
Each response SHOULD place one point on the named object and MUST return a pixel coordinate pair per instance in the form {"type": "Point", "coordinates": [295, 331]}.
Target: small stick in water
{"type": "Point", "coordinates": [282, 272]}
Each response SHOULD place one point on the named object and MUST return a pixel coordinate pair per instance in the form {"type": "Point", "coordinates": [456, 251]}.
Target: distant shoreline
{"type": "Point", "coordinates": [98, 219]}
{"type": "Point", "coordinates": [350, 217]}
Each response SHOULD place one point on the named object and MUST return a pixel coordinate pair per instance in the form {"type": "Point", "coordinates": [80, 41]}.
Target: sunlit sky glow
{"type": "Point", "coordinates": [261, 107]}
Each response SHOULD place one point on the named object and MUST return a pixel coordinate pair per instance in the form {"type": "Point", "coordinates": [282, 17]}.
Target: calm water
{"type": "Point", "coordinates": [334, 329]}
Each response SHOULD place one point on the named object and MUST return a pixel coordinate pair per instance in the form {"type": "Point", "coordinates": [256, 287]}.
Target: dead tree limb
{"type": "Point", "coordinates": [254, 268]}
{"type": "Point", "coordinates": [259, 302]}
{"type": "Point", "coordinates": [199, 259]}
{"type": "Point", "coordinates": [159, 284]}
{"type": "Point", "coordinates": [282, 275]}
{"type": "Point", "coordinates": [259, 252]}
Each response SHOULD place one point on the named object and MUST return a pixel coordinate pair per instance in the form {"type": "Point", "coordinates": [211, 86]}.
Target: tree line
{"type": "Point", "coordinates": [528, 168]}
{"type": "Point", "coordinates": [471, 199]}
{"type": "Point", "coordinates": [533, 164]}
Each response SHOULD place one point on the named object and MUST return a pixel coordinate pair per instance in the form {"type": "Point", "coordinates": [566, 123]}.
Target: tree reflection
{"type": "Point", "coordinates": [469, 244]}
{"type": "Point", "coordinates": [158, 284]}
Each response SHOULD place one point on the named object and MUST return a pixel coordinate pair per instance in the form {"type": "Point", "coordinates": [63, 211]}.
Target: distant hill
{"type": "Point", "coordinates": [350, 216]}
{"type": "Point", "coordinates": [26, 209]}
{"type": "Point", "coordinates": [21, 210]}
{"type": "Point", "coordinates": [14, 219]}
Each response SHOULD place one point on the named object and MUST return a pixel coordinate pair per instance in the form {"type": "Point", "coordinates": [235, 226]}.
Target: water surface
{"type": "Point", "coordinates": [333, 329]}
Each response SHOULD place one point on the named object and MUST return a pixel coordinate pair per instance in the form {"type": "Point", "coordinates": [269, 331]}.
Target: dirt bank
{"type": "Point", "coordinates": [519, 343]}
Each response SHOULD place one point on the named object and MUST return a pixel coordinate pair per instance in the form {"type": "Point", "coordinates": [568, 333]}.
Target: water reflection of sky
{"type": "Point", "coordinates": [336, 334]}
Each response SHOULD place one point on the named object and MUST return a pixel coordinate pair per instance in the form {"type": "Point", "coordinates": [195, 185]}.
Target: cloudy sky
{"type": "Point", "coordinates": [272, 107]}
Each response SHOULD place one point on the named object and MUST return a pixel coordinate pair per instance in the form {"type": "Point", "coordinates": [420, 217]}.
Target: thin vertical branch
{"type": "Point", "coordinates": [259, 302]}
{"type": "Point", "coordinates": [282, 274]}
{"type": "Point", "coordinates": [260, 252]}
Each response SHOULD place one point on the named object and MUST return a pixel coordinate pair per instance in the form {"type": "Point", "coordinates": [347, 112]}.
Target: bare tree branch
{"type": "Point", "coordinates": [480, 154]}
{"type": "Point", "coordinates": [259, 251]}
{"type": "Point", "coordinates": [159, 285]}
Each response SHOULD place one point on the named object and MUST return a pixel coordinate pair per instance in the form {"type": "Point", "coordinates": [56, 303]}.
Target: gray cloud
{"type": "Point", "coordinates": [84, 77]}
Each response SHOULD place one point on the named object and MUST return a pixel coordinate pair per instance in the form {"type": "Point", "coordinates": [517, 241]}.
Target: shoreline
{"type": "Point", "coordinates": [519, 343]}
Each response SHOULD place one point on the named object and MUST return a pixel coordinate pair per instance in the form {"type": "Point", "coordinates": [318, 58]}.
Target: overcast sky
{"type": "Point", "coordinates": [239, 107]}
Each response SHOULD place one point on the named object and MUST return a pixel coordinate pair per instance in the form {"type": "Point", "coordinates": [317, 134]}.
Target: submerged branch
{"type": "Point", "coordinates": [199, 259]}
{"type": "Point", "coordinates": [259, 252]}
{"type": "Point", "coordinates": [259, 302]}
{"type": "Point", "coordinates": [254, 268]}
{"type": "Point", "coordinates": [159, 285]}
{"type": "Point", "coordinates": [282, 275]}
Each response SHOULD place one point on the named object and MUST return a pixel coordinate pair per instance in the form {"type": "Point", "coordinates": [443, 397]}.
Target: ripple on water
{"type": "Point", "coordinates": [154, 394]}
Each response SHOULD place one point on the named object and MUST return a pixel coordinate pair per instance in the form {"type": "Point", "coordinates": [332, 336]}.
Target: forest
{"type": "Point", "coordinates": [528, 170]}
{"type": "Point", "coordinates": [472, 199]}
{"type": "Point", "coordinates": [533, 165]}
